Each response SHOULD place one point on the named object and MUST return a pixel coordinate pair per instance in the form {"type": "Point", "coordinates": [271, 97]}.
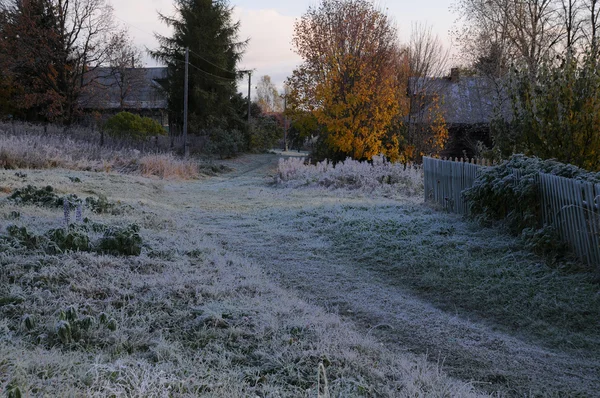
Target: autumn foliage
{"type": "Point", "coordinates": [349, 79]}
{"type": "Point", "coordinates": [46, 48]}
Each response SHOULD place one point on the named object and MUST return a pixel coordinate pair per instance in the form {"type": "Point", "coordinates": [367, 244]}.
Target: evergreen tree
{"type": "Point", "coordinates": [207, 29]}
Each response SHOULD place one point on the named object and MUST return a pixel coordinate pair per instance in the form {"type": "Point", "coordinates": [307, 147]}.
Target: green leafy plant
{"type": "Point", "coordinates": [38, 196]}
{"type": "Point", "coordinates": [121, 241]}
{"type": "Point", "coordinates": [22, 237]}
{"type": "Point", "coordinates": [73, 238]}
{"type": "Point", "coordinates": [129, 125]}
{"type": "Point", "coordinates": [46, 196]}
{"type": "Point", "coordinates": [115, 240]}
{"type": "Point", "coordinates": [74, 327]}
{"type": "Point", "coordinates": [100, 205]}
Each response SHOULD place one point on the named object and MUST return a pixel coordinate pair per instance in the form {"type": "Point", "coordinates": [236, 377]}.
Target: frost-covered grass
{"type": "Point", "coordinates": [29, 147]}
{"type": "Point", "coordinates": [447, 262]}
{"type": "Point", "coordinates": [465, 268]}
{"type": "Point", "coordinates": [243, 288]}
{"type": "Point", "coordinates": [378, 177]}
{"type": "Point", "coordinates": [187, 317]}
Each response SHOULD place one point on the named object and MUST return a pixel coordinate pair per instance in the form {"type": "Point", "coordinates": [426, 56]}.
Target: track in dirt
{"type": "Point", "coordinates": [267, 224]}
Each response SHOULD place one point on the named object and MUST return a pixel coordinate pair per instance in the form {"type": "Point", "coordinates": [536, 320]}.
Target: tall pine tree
{"type": "Point", "coordinates": [207, 29]}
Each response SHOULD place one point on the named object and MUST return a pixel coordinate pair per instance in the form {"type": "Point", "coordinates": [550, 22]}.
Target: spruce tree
{"type": "Point", "coordinates": [207, 29]}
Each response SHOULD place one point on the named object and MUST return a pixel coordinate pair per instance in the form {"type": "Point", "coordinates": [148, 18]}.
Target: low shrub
{"type": "Point", "coordinates": [47, 197]}
{"type": "Point", "coordinates": [38, 196]}
{"type": "Point", "coordinates": [117, 241]}
{"type": "Point", "coordinates": [499, 196]}
{"type": "Point", "coordinates": [121, 241]}
{"type": "Point", "coordinates": [132, 126]}
{"type": "Point", "coordinates": [73, 238]}
{"type": "Point", "coordinates": [264, 133]}
{"type": "Point", "coordinates": [225, 143]}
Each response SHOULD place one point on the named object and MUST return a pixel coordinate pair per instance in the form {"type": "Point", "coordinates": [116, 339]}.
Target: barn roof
{"type": "Point", "coordinates": [464, 100]}
{"type": "Point", "coordinates": [143, 91]}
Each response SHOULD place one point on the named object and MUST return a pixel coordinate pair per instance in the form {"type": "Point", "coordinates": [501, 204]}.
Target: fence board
{"type": "Point", "coordinates": [572, 210]}
{"type": "Point", "coordinates": [445, 180]}
{"type": "Point", "coordinates": [571, 206]}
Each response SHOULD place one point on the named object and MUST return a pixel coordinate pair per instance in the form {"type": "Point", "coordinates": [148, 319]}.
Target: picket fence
{"type": "Point", "coordinates": [446, 179]}
{"type": "Point", "coordinates": [571, 206]}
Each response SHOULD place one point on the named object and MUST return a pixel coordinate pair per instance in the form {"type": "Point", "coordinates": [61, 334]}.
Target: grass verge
{"type": "Point", "coordinates": [185, 317]}
{"type": "Point", "coordinates": [462, 267]}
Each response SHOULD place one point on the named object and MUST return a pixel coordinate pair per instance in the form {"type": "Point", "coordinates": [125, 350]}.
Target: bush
{"type": "Point", "coordinates": [38, 196]}
{"type": "Point", "coordinates": [47, 198]}
{"type": "Point", "coordinates": [556, 113]}
{"type": "Point", "coordinates": [71, 239]}
{"type": "Point", "coordinates": [379, 177]}
{"type": "Point", "coordinates": [129, 125]}
{"type": "Point", "coordinates": [116, 241]}
{"type": "Point", "coordinates": [264, 133]}
{"type": "Point", "coordinates": [225, 143]}
{"type": "Point", "coordinates": [499, 196]}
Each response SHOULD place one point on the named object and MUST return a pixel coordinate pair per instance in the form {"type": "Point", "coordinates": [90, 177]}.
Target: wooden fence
{"type": "Point", "coordinates": [445, 180]}
{"type": "Point", "coordinates": [571, 206]}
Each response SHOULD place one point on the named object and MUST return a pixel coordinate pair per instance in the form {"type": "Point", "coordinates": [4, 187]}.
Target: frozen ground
{"type": "Point", "coordinates": [246, 286]}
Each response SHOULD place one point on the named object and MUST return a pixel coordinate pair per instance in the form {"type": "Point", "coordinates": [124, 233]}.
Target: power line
{"type": "Point", "coordinates": [207, 61]}
{"type": "Point", "coordinates": [205, 72]}
{"type": "Point", "coordinates": [133, 26]}
{"type": "Point", "coordinates": [210, 74]}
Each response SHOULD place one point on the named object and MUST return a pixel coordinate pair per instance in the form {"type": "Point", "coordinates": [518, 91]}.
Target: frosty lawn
{"type": "Point", "coordinates": [243, 287]}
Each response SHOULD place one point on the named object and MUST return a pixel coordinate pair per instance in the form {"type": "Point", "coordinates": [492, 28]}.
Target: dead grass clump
{"type": "Point", "coordinates": [32, 148]}
{"type": "Point", "coordinates": [168, 167]}
{"type": "Point", "coordinates": [378, 177]}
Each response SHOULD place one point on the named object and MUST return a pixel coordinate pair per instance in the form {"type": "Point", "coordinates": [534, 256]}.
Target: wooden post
{"type": "Point", "coordinates": [186, 149]}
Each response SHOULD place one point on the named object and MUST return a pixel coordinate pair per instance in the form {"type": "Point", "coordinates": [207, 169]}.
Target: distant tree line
{"type": "Point", "coordinates": [50, 49]}
{"type": "Point", "coordinates": [46, 49]}
{"type": "Point", "coordinates": [544, 54]}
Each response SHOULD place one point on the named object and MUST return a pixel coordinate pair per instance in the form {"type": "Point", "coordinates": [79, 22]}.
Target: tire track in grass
{"type": "Point", "coordinates": [279, 228]}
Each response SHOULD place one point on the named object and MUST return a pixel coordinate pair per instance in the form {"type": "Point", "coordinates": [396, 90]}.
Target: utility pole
{"type": "Point", "coordinates": [249, 88]}
{"type": "Point", "coordinates": [285, 123]}
{"type": "Point", "coordinates": [249, 72]}
{"type": "Point", "coordinates": [186, 148]}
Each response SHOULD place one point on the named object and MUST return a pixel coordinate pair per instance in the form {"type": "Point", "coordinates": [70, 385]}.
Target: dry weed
{"type": "Point", "coordinates": [167, 166]}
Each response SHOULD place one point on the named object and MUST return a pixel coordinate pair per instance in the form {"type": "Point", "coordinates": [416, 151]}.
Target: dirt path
{"type": "Point", "coordinates": [269, 225]}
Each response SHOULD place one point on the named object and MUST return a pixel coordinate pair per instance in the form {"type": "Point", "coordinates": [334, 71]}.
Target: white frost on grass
{"type": "Point", "coordinates": [378, 177]}
{"type": "Point", "coordinates": [193, 316]}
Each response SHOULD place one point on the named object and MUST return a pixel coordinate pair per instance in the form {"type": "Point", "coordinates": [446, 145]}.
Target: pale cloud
{"type": "Point", "coordinates": [269, 50]}
{"type": "Point", "coordinates": [140, 17]}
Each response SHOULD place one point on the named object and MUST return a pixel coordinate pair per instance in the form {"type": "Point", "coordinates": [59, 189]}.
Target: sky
{"type": "Point", "coordinates": [269, 25]}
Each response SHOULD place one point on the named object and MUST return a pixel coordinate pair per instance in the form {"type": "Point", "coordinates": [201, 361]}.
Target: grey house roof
{"type": "Point", "coordinates": [143, 89]}
{"type": "Point", "coordinates": [464, 100]}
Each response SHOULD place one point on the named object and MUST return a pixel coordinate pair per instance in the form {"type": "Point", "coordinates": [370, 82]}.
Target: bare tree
{"type": "Point", "coordinates": [427, 62]}
{"type": "Point", "coordinates": [591, 24]}
{"type": "Point", "coordinates": [268, 96]}
{"type": "Point", "coordinates": [125, 62]}
{"type": "Point", "coordinates": [51, 45]}
{"type": "Point", "coordinates": [427, 55]}
{"type": "Point", "coordinates": [523, 31]}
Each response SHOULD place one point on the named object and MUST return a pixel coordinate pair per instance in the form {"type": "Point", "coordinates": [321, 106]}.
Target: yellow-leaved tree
{"type": "Point", "coordinates": [349, 79]}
